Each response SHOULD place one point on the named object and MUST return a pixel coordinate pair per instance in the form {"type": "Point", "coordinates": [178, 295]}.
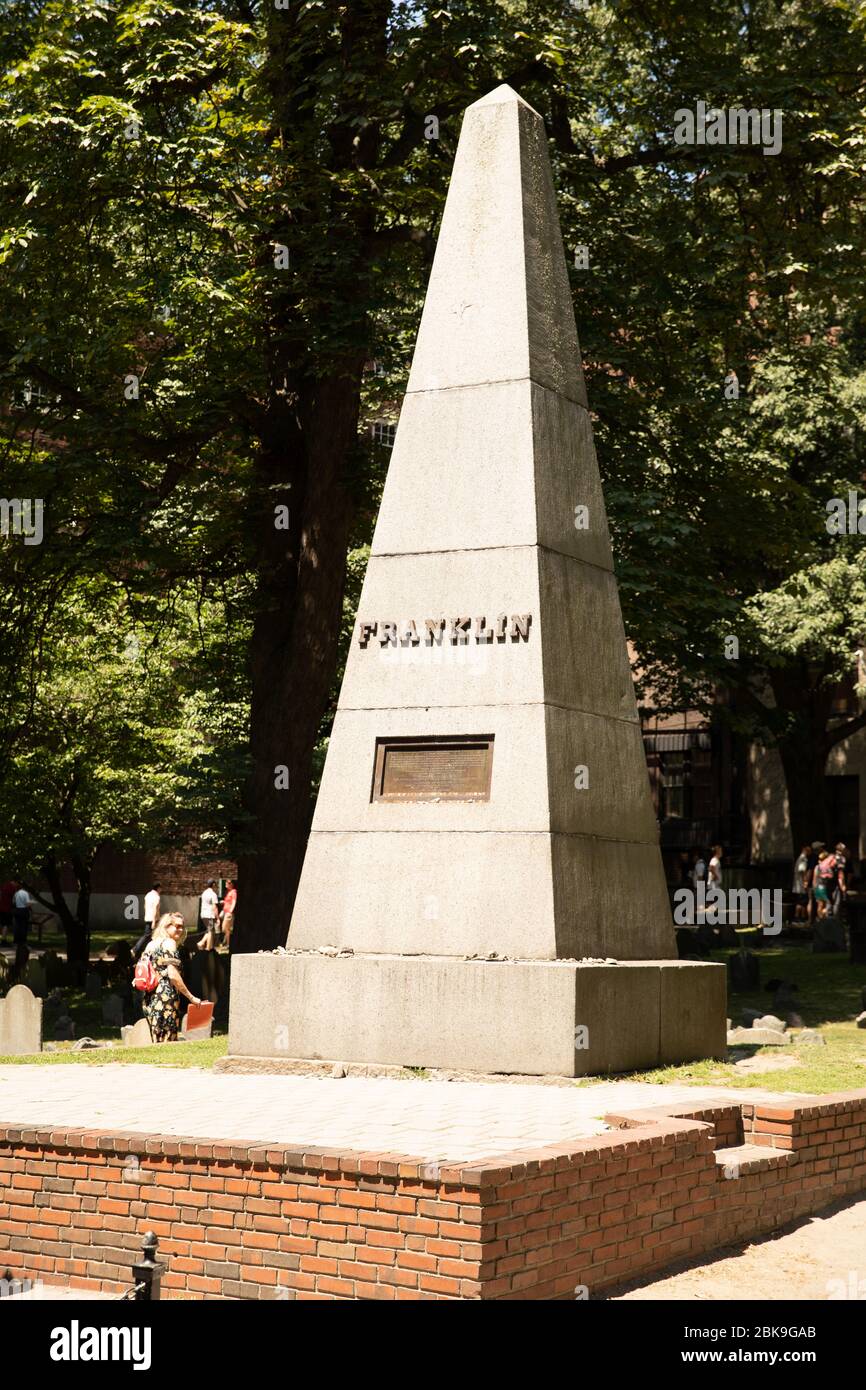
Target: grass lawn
{"type": "Point", "coordinates": [101, 938]}
{"type": "Point", "coordinates": [180, 1054]}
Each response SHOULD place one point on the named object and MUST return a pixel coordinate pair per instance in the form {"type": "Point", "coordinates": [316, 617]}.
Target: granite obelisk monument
{"type": "Point", "coordinates": [484, 855]}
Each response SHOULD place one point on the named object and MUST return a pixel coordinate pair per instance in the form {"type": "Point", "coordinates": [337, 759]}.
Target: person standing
{"type": "Point", "coordinates": [161, 1007]}
{"type": "Point", "coordinates": [229, 905]}
{"type": "Point", "coordinates": [21, 905]}
{"type": "Point", "coordinates": [840, 886]}
{"type": "Point", "coordinates": [713, 875]}
{"type": "Point", "coordinates": [814, 855]}
{"type": "Point", "coordinates": [209, 913]}
{"type": "Point", "coordinates": [699, 868]}
{"type": "Point", "coordinates": [716, 909]}
{"type": "Point", "coordinates": [799, 886]}
{"type": "Point", "coordinates": [824, 879]}
{"type": "Point", "coordinates": [7, 893]}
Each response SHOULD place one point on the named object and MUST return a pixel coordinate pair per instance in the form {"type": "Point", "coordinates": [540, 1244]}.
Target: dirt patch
{"type": "Point", "coordinates": [754, 1066]}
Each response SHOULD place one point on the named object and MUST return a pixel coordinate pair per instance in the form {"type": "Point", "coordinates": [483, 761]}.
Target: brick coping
{"type": "Point", "coordinates": [632, 1132]}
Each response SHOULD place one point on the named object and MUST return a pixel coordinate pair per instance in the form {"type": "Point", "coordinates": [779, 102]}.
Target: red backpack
{"type": "Point", "coordinates": [145, 977]}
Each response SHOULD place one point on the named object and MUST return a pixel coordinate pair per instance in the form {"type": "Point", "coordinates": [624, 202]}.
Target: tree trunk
{"type": "Point", "coordinates": [294, 649]}
{"type": "Point", "coordinates": [805, 770]}
{"type": "Point", "coordinates": [77, 946]}
{"type": "Point", "coordinates": [81, 869]}
{"type": "Point", "coordinates": [804, 700]}
{"type": "Point", "coordinates": [308, 437]}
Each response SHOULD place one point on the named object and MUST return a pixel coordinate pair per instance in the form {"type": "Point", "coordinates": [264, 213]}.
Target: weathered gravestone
{"type": "Point", "coordinates": [137, 1034]}
{"type": "Point", "coordinates": [36, 979]}
{"type": "Point", "coordinates": [745, 971]}
{"type": "Point", "coordinates": [57, 972]}
{"type": "Point", "coordinates": [829, 935]}
{"type": "Point", "coordinates": [204, 1030]}
{"type": "Point", "coordinates": [112, 1010]}
{"type": "Point", "coordinates": [205, 975]}
{"type": "Point", "coordinates": [93, 985]}
{"type": "Point", "coordinates": [485, 793]}
{"type": "Point", "coordinates": [20, 1022]}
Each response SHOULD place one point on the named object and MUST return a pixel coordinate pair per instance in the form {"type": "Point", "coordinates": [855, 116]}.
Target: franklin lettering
{"type": "Point", "coordinates": [457, 631]}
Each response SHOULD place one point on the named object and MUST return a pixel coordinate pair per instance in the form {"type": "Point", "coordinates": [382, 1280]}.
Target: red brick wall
{"type": "Point", "coordinates": [133, 871]}
{"type": "Point", "coordinates": [243, 1221]}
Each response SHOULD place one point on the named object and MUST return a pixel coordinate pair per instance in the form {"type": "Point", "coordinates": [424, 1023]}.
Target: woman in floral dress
{"type": "Point", "coordinates": [162, 1007]}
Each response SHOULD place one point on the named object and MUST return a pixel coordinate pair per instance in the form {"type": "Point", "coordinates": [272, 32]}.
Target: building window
{"type": "Point", "coordinates": [674, 779]}
{"type": "Point", "coordinates": [384, 433]}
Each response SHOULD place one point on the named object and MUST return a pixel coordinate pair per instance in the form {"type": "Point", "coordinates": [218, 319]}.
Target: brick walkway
{"type": "Point", "coordinates": [434, 1120]}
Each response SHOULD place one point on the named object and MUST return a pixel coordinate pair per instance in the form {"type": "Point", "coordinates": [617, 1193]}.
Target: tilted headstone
{"type": "Point", "coordinates": [484, 823]}
{"type": "Point", "coordinates": [757, 1037]}
{"type": "Point", "coordinates": [137, 1034]}
{"type": "Point", "coordinates": [769, 1021]}
{"type": "Point", "coordinates": [20, 1022]}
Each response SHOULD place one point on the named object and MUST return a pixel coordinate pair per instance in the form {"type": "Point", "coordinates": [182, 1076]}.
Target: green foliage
{"type": "Point", "coordinates": [119, 733]}
{"type": "Point", "coordinates": [156, 157]}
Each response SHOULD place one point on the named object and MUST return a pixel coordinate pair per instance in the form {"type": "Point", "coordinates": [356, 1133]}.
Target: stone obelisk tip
{"type": "Point", "coordinates": [502, 94]}
{"type": "Point", "coordinates": [498, 304]}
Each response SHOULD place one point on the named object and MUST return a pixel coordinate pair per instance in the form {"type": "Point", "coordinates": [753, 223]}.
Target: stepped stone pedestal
{"type": "Point", "coordinates": [484, 832]}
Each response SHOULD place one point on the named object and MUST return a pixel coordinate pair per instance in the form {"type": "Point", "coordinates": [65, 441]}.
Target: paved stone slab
{"type": "Point", "coordinates": [438, 1120]}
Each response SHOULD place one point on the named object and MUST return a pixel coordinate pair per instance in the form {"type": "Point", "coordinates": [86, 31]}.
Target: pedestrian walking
{"type": "Point", "coordinates": [230, 902]}
{"type": "Point", "coordinates": [815, 853]}
{"type": "Point", "coordinates": [152, 901]}
{"type": "Point", "coordinates": [209, 913]}
{"type": "Point", "coordinates": [825, 878]}
{"type": "Point", "coordinates": [699, 868]}
{"type": "Point", "coordinates": [840, 886]}
{"type": "Point", "coordinates": [21, 908]}
{"type": "Point", "coordinates": [800, 887]}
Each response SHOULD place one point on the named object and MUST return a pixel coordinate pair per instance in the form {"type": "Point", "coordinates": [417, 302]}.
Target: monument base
{"type": "Point", "coordinates": [528, 1017]}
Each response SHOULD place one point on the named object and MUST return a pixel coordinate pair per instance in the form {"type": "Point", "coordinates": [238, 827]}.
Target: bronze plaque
{"type": "Point", "coordinates": [447, 768]}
